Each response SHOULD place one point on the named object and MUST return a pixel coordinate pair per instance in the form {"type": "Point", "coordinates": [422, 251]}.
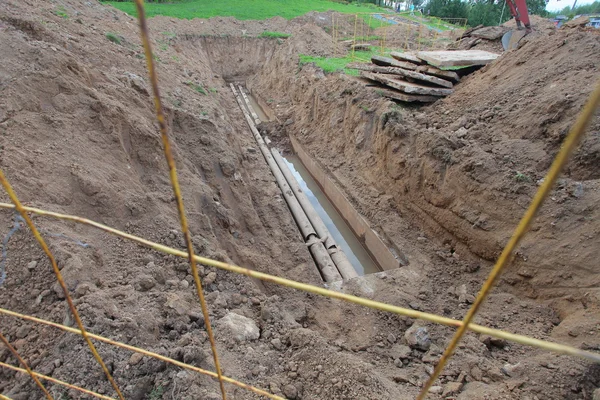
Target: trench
{"type": "Point", "coordinates": [353, 248]}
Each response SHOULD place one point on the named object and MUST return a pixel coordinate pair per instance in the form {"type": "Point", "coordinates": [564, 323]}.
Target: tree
{"type": "Point", "coordinates": [447, 8]}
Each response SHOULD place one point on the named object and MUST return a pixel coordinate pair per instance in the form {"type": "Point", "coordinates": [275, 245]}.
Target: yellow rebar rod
{"type": "Point", "coordinates": [57, 381]}
{"type": "Point", "coordinates": [570, 144]}
{"type": "Point", "coordinates": [139, 350]}
{"type": "Point", "coordinates": [354, 38]}
{"type": "Point", "coordinates": [19, 207]}
{"type": "Point", "coordinates": [175, 183]}
{"type": "Point", "coordinates": [550, 346]}
{"type": "Point", "coordinates": [24, 364]}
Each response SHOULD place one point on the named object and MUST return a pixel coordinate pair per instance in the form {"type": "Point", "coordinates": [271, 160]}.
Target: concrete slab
{"type": "Point", "coordinates": [440, 73]}
{"type": "Point", "coordinates": [407, 98]}
{"type": "Point", "coordinates": [406, 87]}
{"type": "Point", "coordinates": [390, 62]}
{"type": "Point", "coordinates": [401, 72]}
{"type": "Point", "coordinates": [409, 57]}
{"type": "Point", "coordinates": [490, 32]}
{"type": "Point", "coordinates": [446, 58]}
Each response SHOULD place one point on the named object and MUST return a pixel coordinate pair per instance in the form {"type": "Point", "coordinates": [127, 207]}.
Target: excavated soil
{"type": "Point", "coordinates": [446, 184]}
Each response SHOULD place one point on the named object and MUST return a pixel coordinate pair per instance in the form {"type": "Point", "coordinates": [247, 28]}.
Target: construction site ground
{"type": "Point", "coordinates": [445, 184]}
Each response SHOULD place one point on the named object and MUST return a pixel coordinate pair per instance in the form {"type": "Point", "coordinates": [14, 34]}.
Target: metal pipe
{"type": "Point", "coordinates": [342, 263]}
{"type": "Point", "coordinates": [311, 213]}
{"type": "Point", "coordinates": [316, 246]}
{"type": "Point", "coordinates": [337, 255]}
{"type": "Point", "coordinates": [254, 115]}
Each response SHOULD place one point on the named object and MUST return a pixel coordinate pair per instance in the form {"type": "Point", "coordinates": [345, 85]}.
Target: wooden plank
{"type": "Point", "coordinates": [440, 73]}
{"type": "Point", "coordinates": [401, 72]}
{"type": "Point", "coordinates": [390, 62]}
{"type": "Point", "coordinates": [407, 98]}
{"type": "Point", "coordinates": [453, 58]}
{"type": "Point", "coordinates": [406, 87]}
{"type": "Point", "coordinates": [410, 57]}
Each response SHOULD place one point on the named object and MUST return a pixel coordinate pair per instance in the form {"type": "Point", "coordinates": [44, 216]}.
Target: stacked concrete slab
{"type": "Point", "coordinates": [419, 77]}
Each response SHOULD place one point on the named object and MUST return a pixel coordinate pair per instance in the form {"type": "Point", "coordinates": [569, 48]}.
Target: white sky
{"type": "Point", "coordinates": [557, 5]}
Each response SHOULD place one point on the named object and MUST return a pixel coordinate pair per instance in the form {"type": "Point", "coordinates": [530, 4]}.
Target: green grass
{"type": "Point", "coordinates": [269, 34]}
{"type": "Point", "coordinates": [363, 38]}
{"type": "Point", "coordinates": [197, 88]}
{"type": "Point", "coordinates": [61, 12]}
{"type": "Point", "coordinates": [113, 37]}
{"type": "Point", "coordinates": [246, 9]}
{"type": "Point", "coordinates": [338, 64]}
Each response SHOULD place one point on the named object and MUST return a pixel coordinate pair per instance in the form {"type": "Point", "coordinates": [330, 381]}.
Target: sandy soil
{"type": "Point", "coordinates": [77, 135]}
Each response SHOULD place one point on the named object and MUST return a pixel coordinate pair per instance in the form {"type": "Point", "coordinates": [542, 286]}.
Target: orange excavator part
{"type": "Point", "coordinates": [518, 9]}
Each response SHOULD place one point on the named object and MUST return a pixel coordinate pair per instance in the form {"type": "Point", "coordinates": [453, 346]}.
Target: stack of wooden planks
{"type": "Point", "coordinates": [419, 77]}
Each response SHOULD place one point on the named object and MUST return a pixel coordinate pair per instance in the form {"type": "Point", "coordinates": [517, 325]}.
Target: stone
{"type": "Point", "coordinates": [410, 57]}
{"type": "Point", "coordinates": [452, 388]}
{"type": "Point", "coordinates": [417, 337]}
{"type": "Point", "coordinates": [240, 328]}
{"type": "Point", "coordinates": [447, 58]}
{"type": "Point", "coordinates": [400, 352]}
{"type": "Point", "coordinates": [277, 343]}
{"type": "Point", "coordinates": [210, 278]}
{"type": "Point", "coordinates": [390, 62]}
{"type": "Point", "coordinates": [490, 341]}
{"type": "Point", "coordinates": [435, 390]}
{"type": "Point", "coordinates": [391, 338]}
{"type": "Point", "coordinates": [461, 132]}
{"type": "Point", "coordinates": [511, 369]}
{"type": "Point", "coordinates": [32, 265]}
{"type": "Point", "coordinates": [290, 391]}
{"type": "Point", "coordinates": [144, 283]}
{"type": "Point", "coordinates": [194, 355]}
{"type": "Point", "coordinates": [596, 394]}
{"type": "Point", "coordinates": [405, 86]}
{"type": "Point", "coordinates": [23, 331]}
{"type": "Point", "coordinates": [135, 358]}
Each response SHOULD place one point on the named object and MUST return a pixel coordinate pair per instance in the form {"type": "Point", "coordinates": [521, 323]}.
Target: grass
{"type": "Point", "coordinates": [338, 64]}
{"type": "Point", "coordinates": [156, 393]}
{"type": "Point", "coordinates": [61, 12]}
{"type": "Point", "coordinates": [521, 177]}
{"type": "Point", "coordinates": [196, 87]}
{"type": "Point", "coordinates": [363, 38]}
{"type": "Point", "coordinates": [113, 37]}
{"type": "Point", "coordinates": [269, 34]}
{"type": "Point", "coordinates": [246, 9]}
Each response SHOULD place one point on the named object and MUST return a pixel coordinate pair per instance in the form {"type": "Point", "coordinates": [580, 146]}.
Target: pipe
{"type": "Point", "coordinates": [342, 263]}
{"type": "Point", "coordinates": [337, 255]}
{"type": "Point", "coordinates": [254, 115]}
{"type": "Point", "coordinates": [312, 215]}
{"type": "Point", "coordinates": [316, 246]}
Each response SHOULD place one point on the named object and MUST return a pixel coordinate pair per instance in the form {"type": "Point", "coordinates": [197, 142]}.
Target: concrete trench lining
{"type": "Point", "coordinates": [373, 243]}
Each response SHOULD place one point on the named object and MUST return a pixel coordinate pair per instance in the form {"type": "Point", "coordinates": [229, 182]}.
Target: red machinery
{"type": "Point", "coordinates": [518, 9]}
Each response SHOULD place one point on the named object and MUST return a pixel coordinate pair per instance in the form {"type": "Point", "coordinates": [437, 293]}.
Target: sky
{"type": "Point", "coordinates": [557, 5]}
